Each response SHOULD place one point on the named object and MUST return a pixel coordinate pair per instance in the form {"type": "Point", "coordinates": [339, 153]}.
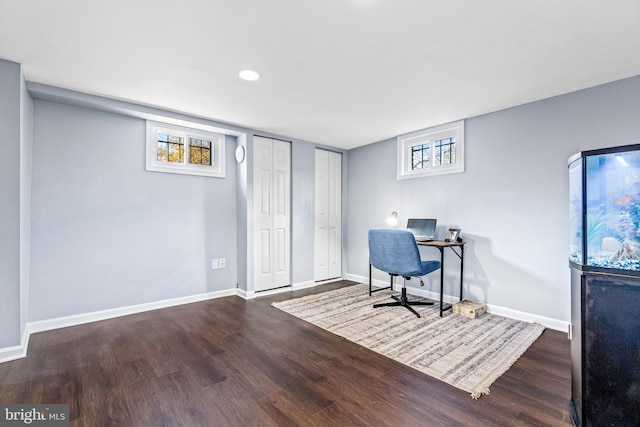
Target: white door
{"type": "Point", "coordinates": [328, 215]}
{"type": "Point", "coordinates": [272, 206]}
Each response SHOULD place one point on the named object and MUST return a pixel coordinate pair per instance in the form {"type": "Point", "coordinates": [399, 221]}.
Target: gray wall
{"type": "Point", "coordinates": [511, 202]}
{"type": "Point", "coordinates": [302, 208]}
{"type": "Point", "coordinates": [26, 150]}
{"type": "Point", "coordinates": [10, 173]}
{"type": "Point", "coordinates": [241, 218]}
{"type": "Point", "coordinates": [108, 234]}
{"type": "Point", "coordinates": [105, 232]}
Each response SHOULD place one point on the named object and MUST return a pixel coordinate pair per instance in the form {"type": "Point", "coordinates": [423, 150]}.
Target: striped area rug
{"type": "Point", "coordinates": [469, 354]}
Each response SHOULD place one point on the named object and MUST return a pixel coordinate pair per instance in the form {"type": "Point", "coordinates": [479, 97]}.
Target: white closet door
{"type": "Point", "coordinates": [334, 216]}
{"type": "Point", "coordinates": [272, 213]}
{"type": "Point", "coordinates": [321, 235]}
{"type": "Point", "coordinates": [281, 213]}
{"type": "Point", "coordinates": [328, 212]}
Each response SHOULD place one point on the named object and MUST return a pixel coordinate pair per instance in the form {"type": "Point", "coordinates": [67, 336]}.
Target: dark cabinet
{"type": "Point", "coordinates": [605, 349]}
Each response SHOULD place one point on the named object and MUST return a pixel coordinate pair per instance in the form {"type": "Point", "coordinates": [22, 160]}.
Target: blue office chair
{"type": "Point", "coordinates": [396, 252]}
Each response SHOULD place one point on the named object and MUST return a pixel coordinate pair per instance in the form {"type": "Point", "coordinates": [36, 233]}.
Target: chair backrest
{"type": "Point", "coordinates": [394, 251]}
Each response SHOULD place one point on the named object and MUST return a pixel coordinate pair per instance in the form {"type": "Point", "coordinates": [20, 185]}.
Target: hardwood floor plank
{"type": "Point", "coordinates": [98, 409]}
{"type": "Point", "coordinates": [294, 382]}
{"type": "Point", "coordinates": [345, 386]}
{"type": "Point", "coordinates": [135, 370]}
{"type": "Point", "coordinates": [230, 403]}
{"type": "Point", "coordinates": [285, 410]}
{"type": "Point", "coordinates": [231, 362]}
{"type": "Point", "coordinates": [15, 388]}
{"type": "Point", "coordinates": [339, 415]}
{"type": "Point", "coordinates": [65, 386]}
{"type": "Point", "coordinates": [445, 404]}
{"type": "Point", "coordinates": [243, 364]}
{"type": "Point", "coordinates": [171, 400]}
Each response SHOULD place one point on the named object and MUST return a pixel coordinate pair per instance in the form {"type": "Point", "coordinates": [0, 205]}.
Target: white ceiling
{"type": "Point", "coordinates": [338, 72]}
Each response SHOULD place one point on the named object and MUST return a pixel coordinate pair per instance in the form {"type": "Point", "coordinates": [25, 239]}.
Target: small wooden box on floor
{"type": "Point", "coordinates": [469, 309]}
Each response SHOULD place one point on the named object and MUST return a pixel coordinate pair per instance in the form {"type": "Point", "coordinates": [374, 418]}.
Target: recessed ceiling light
{"type": "Point", "coordinates": [249, 75]}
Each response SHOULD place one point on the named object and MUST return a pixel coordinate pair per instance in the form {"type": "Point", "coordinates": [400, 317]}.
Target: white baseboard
{"type": "Point", "coordinates": [245, 294]}
{"type": "Point", "coordinates": [12, 353]}
{"type": "Point", "coordinates": [271, 291]}
{"type": "Point", "coordinates": [303, 285]}
{"type": "Point", "coordinates": [16, 352]}
{"type": "Point", "coordinates": [19, 351]}
{"type": "Point", "coordinates": [293, 287]}
{"type": "Point", "coordinates": [548, 322]}
{"type": "Point", "coordinates": [324, 282]}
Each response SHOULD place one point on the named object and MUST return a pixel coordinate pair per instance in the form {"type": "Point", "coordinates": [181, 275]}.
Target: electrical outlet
{"type": "Point", "coordinates": [215, 264]}
{"type": "Point", "coordinates": [222, 263]}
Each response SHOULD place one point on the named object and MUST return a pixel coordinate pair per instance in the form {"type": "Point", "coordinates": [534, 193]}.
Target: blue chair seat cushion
{"type": "Point", "coordinates": [429, 266]}
{"type": "Point", "coordinates": [426, 267]}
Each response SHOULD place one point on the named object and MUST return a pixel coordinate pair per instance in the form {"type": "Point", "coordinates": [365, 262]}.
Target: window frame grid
{"type": "Point", "coordinates": [453, 151]}
{"type": "Point", "coordinates": [216, 168]}
{"type": "Point", "coordinates": [199, 148]}
{"type": "Point", "coordinates": [439, 153]}
{"type": "Point", "coordinates": [169, 145]}
{"type": "Point", "coordinates": [425, 162]}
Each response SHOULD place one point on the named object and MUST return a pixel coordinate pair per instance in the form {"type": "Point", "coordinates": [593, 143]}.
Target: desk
{"type": "Point", "coordinates": [441, 245]}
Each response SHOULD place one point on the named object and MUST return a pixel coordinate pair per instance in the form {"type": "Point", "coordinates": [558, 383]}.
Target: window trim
{"type": "Point", "coordinates": [429, 136]}
{"type": "Point", "coordinates": [217, 169]}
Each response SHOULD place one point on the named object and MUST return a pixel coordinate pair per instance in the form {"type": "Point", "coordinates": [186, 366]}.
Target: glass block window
{"type": "Point", "coordinates": [177, 149]}
{"type": "Point", "coordinates": [433, 151]}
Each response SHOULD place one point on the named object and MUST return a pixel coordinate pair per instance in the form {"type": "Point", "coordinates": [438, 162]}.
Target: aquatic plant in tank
{"type": "Point", "coordinates": [604, 187]}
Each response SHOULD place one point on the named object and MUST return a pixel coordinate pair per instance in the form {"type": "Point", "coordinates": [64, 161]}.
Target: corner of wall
{"type": "Point", "coordinates": [26, 154]}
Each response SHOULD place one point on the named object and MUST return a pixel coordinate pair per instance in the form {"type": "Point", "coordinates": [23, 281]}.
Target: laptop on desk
{"type": "Point", "coordinates": [423, 229]}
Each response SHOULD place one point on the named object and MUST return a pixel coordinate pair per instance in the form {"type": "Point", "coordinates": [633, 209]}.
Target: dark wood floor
{"type": "Point", "coordinates": [231, 362]}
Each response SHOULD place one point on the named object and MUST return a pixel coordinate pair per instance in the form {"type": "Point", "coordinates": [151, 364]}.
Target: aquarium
{"type": "Point", "coordinates": [604, 203]}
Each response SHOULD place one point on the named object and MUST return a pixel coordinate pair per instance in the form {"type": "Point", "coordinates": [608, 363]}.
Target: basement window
{"type": "Point", "coordinates": [434, 151]}
{"type": "Point", "coordinates": [177, 149]}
